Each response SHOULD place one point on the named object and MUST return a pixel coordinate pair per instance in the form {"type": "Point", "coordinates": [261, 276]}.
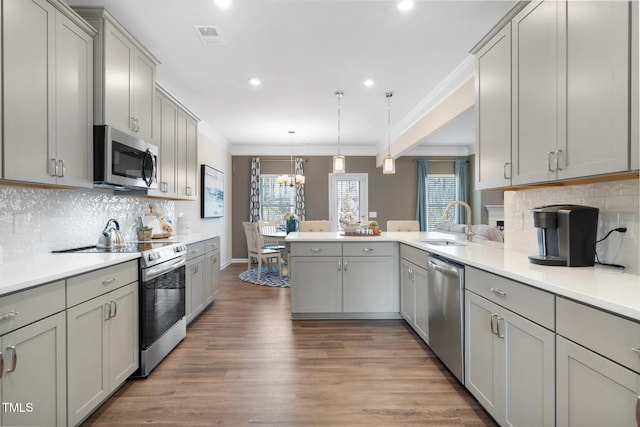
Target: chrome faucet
{"type": "Point", "coordinates": [466, 205]}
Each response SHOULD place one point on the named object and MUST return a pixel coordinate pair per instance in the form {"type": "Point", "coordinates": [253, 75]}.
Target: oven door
{"type": "Point", "coordinates": [162, 301]}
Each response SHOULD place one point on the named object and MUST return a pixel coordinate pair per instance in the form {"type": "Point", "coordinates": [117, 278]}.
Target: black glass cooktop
{"type": "Point", "coordinates": [132, 247]}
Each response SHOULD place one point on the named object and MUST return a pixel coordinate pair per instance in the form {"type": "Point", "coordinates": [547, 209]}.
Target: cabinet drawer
{"type": "Point", "coordinates": [25, 307]}
{"type": "Point", "coordinates": [414, 255]}
{"type": "Point", "coordinates": [605, 333]}
{"type": "Point", "coordinates": [212, 244]}
{"type": "Point", "coordinates": [529, 302]}
{"type": "Point", "coordinates": [316, 249]}
{"type": "Point", "coordinates": [86, 286]}
{"type": "Point", "coordinates": [195, 250]}
{"type": "Point", "coordinates": [369, 249]}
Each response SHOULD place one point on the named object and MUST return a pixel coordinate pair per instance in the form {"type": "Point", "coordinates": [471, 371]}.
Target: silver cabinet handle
{"type": "Point", "coordinates": [557, 159]}
{"type": "Point", "coordinates": [345, 265]}
{"type": "Point", "coordinates": [189, 191]}
{"type": "Point", "coordinates": [636, 349]}
{"type": "Point", "coordinates": [52, 167]}
{"type": "Point", "coordinates": [8, 315]}
{"type": "Point", "coordinates": [1, 365]}
{"type": "Point", "coordinates": [107, 311]}
{"type": "Point", "coordinates": [638, 412]}
{"type": "Point", "coordinates": [499, 329]}
{"type": "Point", "coordinates": [14, 358]}
{"type": "Point", "coordinates": [505, 168]}
{"type": "Point", "coordinates": [498, 292]}
{"type": "Point", "coordinates": [315, 250]}
{"type": "Point", "coordinates": [367, 250]}
{"type": "Point", "coordinates": [339, 265]}
{"type": "Point", "coordinates": [108, 281]}
{"type": "Point", "coordinates": [60, 168]}
{"type": "Point", "coordinates": [132, 123]}
{"type": "Point", "coordinates": [494, 324]}
{"type": "Point", "coordinates": [115, 308]}
{"type": "Point", "coordinates": [549, 154]}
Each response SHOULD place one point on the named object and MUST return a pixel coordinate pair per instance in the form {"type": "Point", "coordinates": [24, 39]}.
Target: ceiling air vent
{"type": "Point", "coordinates": [210, 35]}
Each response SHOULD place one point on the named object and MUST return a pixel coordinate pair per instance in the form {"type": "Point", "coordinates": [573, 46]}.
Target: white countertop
{"type": "Point", "coordinates": [28, 272]}
{"type": "Point", "coordinates": [602, 287]}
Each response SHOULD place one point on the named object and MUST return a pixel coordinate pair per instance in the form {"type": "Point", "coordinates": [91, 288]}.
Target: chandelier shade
{"type": "Point", "coordinates": [389, 163]}
{"type": "Point", "coordinates": [292, 179]}
{"type": "Point", "coordinates": [339, 163]}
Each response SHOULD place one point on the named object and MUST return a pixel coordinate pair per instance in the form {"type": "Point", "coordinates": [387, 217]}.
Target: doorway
{"type": "Point", "coordinates": [348, 199]}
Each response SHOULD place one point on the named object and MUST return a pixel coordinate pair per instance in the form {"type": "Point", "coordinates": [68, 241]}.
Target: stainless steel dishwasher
{"type": "Point", "coordinates": [445, 300]}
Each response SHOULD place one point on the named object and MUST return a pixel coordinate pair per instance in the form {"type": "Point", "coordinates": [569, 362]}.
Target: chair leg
{"type": "Point", "coordinates": [259, 267]}
{"type": "Point", "coordinates": [249, 263]}
{"type": "Point", "coordinates": [279, 265]}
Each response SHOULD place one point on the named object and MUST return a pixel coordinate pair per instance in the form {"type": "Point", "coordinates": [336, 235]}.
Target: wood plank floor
{"type": "Point", "coordinates": [244, 362]}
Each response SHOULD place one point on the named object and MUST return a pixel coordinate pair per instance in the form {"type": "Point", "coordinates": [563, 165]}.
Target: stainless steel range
{"type": "Point", "coordinates": [162, 297]}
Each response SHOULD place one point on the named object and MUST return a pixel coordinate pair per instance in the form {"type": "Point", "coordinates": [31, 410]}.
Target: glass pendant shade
{"type": "Point", "coordinates": [338, 164]}
{"type": "Point", "coordinates": [389, 165]}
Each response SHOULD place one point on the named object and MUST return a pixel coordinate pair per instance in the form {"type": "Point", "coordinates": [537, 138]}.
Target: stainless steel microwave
{"type": "Point", "coordinates": [122, 160]}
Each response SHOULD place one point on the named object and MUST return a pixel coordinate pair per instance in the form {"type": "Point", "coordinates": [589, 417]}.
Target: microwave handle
{"type": "Point", "coordinates": [148, 179]}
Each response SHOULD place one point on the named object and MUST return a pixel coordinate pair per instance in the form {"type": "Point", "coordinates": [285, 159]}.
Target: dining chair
{"type": "Point", "coordinates": [403, 225]}
{"type": "Point", "coordinates": [268, 230]}
{"type": "Point", "coordinates": [255, 249]}
{"type": "Point", "coordinates": [322, 225]}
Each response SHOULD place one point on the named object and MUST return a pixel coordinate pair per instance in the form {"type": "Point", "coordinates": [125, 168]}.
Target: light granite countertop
{"type": "Point", "coordinates": [604, 287]}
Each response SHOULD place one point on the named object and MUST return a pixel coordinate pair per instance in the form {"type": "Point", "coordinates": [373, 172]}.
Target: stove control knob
{"type": "Point", "coordinates": [153, 256]}
{"type": "Point", "coordinates": [179, 248]}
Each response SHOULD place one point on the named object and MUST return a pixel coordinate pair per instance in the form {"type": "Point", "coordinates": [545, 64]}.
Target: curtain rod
{"type": "Point", "coordinates": [438, 160]}
{"type": "Point", "coordinates": [281, 160]}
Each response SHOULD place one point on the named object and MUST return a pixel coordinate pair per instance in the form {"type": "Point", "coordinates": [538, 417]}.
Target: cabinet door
{"type": "Point", "coordinates": [181, 155]}
{"type": "Point", "coordinates": [535, 92]}
{"type": "Point", "coordinates": [529, 371]}
{"type": "Point", "coordinates": [215, 275]}
{"type": "Point", "coordinates": [483, 355]}
{"type": "Point", "coordinates": [493, 107]}
{"type": "Point", "coordinates": [369, 285]}
{"type": "Point", "coordinates": [87, 353]}
{"type": "Point", "coordinates": [123, 334]}
{"type": "Point", "coordinates": [74, 104]}
{"type": "Point", "coordinates": [168, 161]}
{"type": "Point", "coordinates": [592, 390]}
{"type": "Point", "coordinates": [194, 288]}
{"type": "Point", "coordinates": [142, 94]}
{"type": "Point", "coordinates": [421, 280]}
{"type": "Point", "coordinates": [28, 86]}
{"type": "Point", "coordinates": [407, 292]}
{"type": "Point", "coordinates": [597, 46]}
{"type": "Point", "coordinates": [118, 54]}
{"type": "Point", "coordinates": [316, 284]}
{"type": "Point", "coordinates": [211, 276]}
{"type": "Point", "coordinates": [192, 159]}
{"type": "Point", "coordinates": [35, 373]}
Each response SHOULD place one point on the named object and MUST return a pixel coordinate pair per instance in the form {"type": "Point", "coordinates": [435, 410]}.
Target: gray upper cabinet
{"type": "Point", "coordinates": [571, 79]}
{"type": "Point", "coordinates": [535, 92]}
{"type": "Point", "coordinates": [493, 119]}
{"type": "Point", "coordinates": [125, 76]}
{"type": "Point", "coordinates": [48, 122]}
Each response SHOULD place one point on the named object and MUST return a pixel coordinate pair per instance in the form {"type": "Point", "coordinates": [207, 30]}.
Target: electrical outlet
{"type": "Point", "coordinates": [373, 214]}
{"type": "Point", "coordinates": [19, 223]}
{"type": "Point", "coordinates": [627, 220]}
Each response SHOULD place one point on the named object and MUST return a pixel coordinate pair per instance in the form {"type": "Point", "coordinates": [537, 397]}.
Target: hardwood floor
{"type": "Point", "coordinates": [244, 362]}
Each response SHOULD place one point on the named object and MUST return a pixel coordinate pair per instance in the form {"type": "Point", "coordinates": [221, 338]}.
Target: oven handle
{"type": "Point", "coordinates": [158, 270]}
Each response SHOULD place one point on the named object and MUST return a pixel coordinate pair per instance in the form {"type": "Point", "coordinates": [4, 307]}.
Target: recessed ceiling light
{"type": "Point", "coordinates": [223, 4]}
{"type": "Point", "coordinates": [368, 83]}
{"type": "Point", "coordinates": [254, 82]}
{"type": "Point", "coordinates": [405, 5]}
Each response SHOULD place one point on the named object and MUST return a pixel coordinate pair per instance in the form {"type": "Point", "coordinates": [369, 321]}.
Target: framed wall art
{"type": "Point", "coordinates": [212, 185]}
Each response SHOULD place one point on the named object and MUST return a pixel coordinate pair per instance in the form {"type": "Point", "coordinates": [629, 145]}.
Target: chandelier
{"type": "Point", "coordinates": [291, 180]}
{"type": "Point", "coordinates": [389, 163]}
{"type": "Point", "coordinates": [338, 161]}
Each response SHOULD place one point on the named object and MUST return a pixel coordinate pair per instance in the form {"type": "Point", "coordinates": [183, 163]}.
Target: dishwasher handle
{"type": "Point", "coordinates": [443, 267]}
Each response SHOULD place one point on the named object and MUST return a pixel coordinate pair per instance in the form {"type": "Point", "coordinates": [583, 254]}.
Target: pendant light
{"type": "Point", "coordinates": [338, 161]}
{"type": "Point", "coordinates": [389, 163]}
{"type": "Point", "coordinates": [291, 180]}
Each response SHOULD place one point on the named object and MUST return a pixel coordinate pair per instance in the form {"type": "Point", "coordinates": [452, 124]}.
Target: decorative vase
{"type": "Point", "coordinates": [292, 224]}
{"type": "Point", "coordinates": [376, 229]}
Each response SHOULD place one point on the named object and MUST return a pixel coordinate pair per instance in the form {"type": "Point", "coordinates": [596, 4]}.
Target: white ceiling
{"type": "Point", "coordinates": [303, 51]}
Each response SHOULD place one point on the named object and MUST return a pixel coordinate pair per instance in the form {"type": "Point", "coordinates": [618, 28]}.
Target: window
{"type": "Point", "coordinates": [441, 189]}
{"type": "Point", "coordinates": [276, 200]}
{"type": "Point", "coordinates": [347, 199]}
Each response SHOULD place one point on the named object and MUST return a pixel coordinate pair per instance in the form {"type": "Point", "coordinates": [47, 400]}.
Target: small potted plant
{"type": "Point", "coordinates": [373, 225]}
{"type": "Point", "coordinates": [144, 233]}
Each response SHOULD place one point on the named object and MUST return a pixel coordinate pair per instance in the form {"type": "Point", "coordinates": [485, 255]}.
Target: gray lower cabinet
{"type": "Point", "coordinates": [345, 279]}
{"type": "Point", "coordinates": [33, 381]}
{"type": "Point", "coordinates": [202, 276]}
{"type": "Point", "coordinates": [598, 366]}
{"type": "Point", "coordinates": [102, 336]}
{"type": "Point", "coordinates": [510, 359]}
{"type": "Point", "coordinates": [414, 298]}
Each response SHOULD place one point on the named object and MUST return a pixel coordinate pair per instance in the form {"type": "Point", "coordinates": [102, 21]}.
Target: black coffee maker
{"type": "Point", "coordinates": [566, 235]}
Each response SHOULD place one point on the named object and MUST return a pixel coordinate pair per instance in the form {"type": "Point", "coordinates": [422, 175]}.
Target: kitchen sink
{"type": "Point", "coordinates": [443, 242]}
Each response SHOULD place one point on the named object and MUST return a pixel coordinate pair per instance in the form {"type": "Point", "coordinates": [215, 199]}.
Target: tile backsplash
{"type": "Point", "coordinates": [613, 199]}
{"type": "Point", "coordinates": [34, 220]}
